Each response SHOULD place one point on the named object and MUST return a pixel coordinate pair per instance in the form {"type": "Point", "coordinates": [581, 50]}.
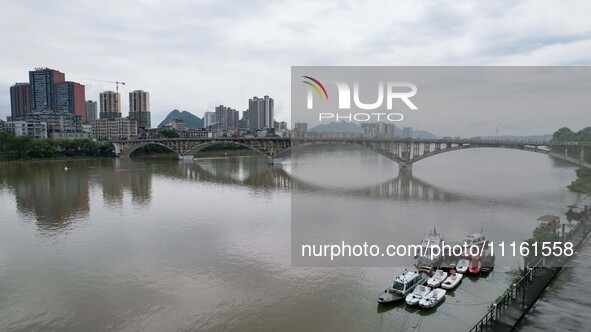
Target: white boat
{"type": "Point", "coordinates": [427, 256]}
{"type": "Point", "coordinates": [437, 278]}
{"type": "Point", "coordinates": [417, 294]}
{"type": "Point", "coordinates": [462, 265]}
{"type": "Point", "coordinates": [402, 286]}
{"type": "Point", "coordinates": [473, 244]}
{"type": "Point", "coordinates": [452, 281]}
{"type": "Point", "coordinates": [433, 298]}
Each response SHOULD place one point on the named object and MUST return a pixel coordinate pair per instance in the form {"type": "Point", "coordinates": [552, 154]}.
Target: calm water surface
{"type": "Point", "coordinates": [166, 245]}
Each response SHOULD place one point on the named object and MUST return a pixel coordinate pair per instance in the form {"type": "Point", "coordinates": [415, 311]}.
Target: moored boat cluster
{"type": "Point", "coordinates": [440, 269]}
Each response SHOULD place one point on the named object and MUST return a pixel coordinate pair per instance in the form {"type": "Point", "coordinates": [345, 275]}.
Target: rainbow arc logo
{"type": "Point", "coordinates": [316, 85]}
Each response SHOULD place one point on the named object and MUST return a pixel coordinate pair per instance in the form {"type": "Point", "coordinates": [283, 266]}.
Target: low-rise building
{"type": "Point", "coordinates": [177, 124]}
{"type": "Point", "coordinates": [32, 128]}
{"type": "Point", "coordinates": [196, 133]}
{"type": "Point", "coordinates": [116, 128]}
{"type": "Point", "coordinates": [379, 130]}
{"type": "Point", "coordinates": [69, 134]}
{"type": "Point", "coordinates": [56, 121]}
{"type": "Point", "coordinates": [280, 125]}
{"type": "Point", "coordinates": [300, 129]}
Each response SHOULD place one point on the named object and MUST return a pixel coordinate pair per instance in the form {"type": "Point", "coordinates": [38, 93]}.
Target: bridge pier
{"type": "Point", "coordinates": [270, 160]}
{"type": "Point", "coordinates": [186, 157]}
{"type": "Point", "coordinates": [404, 166]}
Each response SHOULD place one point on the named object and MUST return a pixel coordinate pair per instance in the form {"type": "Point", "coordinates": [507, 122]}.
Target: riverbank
{"type": "Point", "coordinates": [508, 312]}
{"type": "Point", "coordinates": [583, 182]}
{"type": "Point", "coordinates": [565, 306]}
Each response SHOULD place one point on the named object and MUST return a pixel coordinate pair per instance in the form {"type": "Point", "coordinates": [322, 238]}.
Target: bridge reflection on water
{"type": "Point", "coordinates": [55, 197]}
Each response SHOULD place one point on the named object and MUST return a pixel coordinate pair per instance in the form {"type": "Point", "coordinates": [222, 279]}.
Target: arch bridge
{"type": "Point", "coordinates": [405, 152]}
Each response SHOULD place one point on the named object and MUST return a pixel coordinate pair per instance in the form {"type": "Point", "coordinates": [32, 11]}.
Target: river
{"type": "Point", "coordinates": [165, 245]}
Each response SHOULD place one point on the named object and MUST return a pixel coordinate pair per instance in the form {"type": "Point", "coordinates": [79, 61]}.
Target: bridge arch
{"type": "Point", "coordinates": [459, 147]}
{"type": "Point", "coordinates": [392, 157]}
{"type": "Point", "coordinates": [202, 146]}
{"type": "Point", "coordinates": [415, 156]}
{"type": "Point", "coordinates": [128, 151]}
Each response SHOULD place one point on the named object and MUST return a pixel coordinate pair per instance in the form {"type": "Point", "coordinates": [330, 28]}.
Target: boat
{"type": "Point", "coordinates": [433, 298]}
{"type": "Point", "coordinates": [417, 294]}
{"type": "Point", "coordinates": [548, 223]}
{"type": "Point", "coordinates": [574, 213]}
{"type": "Point", "coordinates": [437, 278]}
{"type": "Point", "coordinates": [488, 261]}
{"type": "Point", "coordinates": [452, 281]}
{"type": "Point", "coordinates": [475, 265]}
{"type": "Point", "coordinates": [473, 240]}
{"type": "Point", "coordinates": [427, 258]}
{"type": "Point", "coordinates": [462, 266]}
{"type": "Point", "coordinates": [402, 286]}
{"type": "Point", "coordinates": [451, 258]}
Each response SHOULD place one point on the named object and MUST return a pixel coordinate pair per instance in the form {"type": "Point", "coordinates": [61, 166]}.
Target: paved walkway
{"type": "Point", "coordinates": [513, 314]}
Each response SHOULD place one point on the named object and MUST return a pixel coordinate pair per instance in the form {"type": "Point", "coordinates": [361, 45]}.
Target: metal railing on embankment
{"type": "Point", "coordinates": [518, 289]}
{"type": "Point", "coordinates": [508, 297]}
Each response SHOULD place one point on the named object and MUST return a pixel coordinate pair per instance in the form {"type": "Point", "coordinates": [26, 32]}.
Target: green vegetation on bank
{"type": "Point", "coordinates": [583, 182]}
{"type": "Point", "coordinates": [167, 133]}
{"type": "Point", "coordinates": [26, 148]}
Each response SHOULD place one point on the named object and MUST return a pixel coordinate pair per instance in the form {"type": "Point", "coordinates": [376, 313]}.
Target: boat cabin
{"type": "Point", "coordinates": [549, 222]}
{"type": "Point", "coordinates": [405, 282]}
{"type": "Point", "coordinates": [474, 239]}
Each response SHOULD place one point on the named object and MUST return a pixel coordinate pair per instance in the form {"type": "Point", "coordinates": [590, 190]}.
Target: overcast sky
{"type": "Point", "coordinates": [193, 55]}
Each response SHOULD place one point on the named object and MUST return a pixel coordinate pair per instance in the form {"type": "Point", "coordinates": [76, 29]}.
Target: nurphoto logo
{"type": "Point", "coordinates": [392, 90]}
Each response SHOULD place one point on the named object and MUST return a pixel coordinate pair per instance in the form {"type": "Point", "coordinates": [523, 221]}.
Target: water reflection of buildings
{"type": "Point", "coordinates": [55, 197]}
{"type": "Point", "coordinates": [125, 174]}
{"type": "Point", "coordinates": [47, 192]}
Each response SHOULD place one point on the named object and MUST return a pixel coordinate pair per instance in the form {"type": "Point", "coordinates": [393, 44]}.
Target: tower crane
{"type": "Point", "coordinates": [116, 82]}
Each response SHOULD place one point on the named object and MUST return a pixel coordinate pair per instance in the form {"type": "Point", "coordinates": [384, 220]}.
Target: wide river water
{"type": "Point", "coordinates": [167, 245]}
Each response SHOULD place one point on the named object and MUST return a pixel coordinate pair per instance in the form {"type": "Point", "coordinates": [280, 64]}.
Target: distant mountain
{"type": "Point", "coordinates": [191, 121]}
{"type": "Point", "coordinates": [349, 127]}
{"type": "Point", "coordinates": [337, 127]}
{"type": "Point", "coordinates": [422, 134]}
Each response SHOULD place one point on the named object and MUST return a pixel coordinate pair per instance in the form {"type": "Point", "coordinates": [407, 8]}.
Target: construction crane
{"type": "Point", "coordinates": [116, 82]}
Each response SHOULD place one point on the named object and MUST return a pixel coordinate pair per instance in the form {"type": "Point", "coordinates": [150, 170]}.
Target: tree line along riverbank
{"type": "Point", "coordinates": [583, 182]}
{"type": "Point", "coordinates": [26, 148]}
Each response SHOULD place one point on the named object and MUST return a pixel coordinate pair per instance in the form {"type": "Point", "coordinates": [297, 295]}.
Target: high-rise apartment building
{"type": "Point", "coordinates": [227, 117]}
{"type": "Point", "coordinates": [208, 119]}
{"type": "Point", "coordinates": [260, 113]}
{"type": "Point", "coordinates": [110, 105]}
{"type": "Point", "coordinates": [91, 111]}
{"type": "Point", "coordinates": [139, 108]}
{"type": "Point", "coordinates": [407, 132]}
{"type": "Point", "coordinates": [47, 91]}
{"type": "Point", "coordinates": [42, 95]}
{"type": "Point", "coordinates": [20, 99]}
{"type": "Point", "coordinates": [69, 98]}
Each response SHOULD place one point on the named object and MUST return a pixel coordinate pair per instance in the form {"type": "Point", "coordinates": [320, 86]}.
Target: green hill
{"type": "Point", "coordinates": [191, 121]}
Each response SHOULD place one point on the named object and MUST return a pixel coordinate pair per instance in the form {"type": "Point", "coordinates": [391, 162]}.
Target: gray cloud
{"type": "Point", "coordinates": [194, 55]}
